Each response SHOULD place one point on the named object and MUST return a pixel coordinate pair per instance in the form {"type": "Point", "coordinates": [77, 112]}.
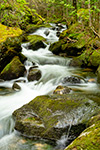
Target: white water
{"type": "Point", "coordinates": [53, 69]}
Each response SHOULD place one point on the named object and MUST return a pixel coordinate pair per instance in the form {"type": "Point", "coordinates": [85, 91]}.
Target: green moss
{"type": "Point", "coordinates": [13, 70]}
{"type": "Point", "coordinates": [89, 138]}
{"type": "Point", "coordinates": [6, 32]}
{"type": "Point", "coordinates": [33, 38]}
{"type": "Point", "coordinates": [95, 58]}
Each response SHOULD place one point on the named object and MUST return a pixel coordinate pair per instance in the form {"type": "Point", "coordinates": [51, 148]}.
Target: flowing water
{"type": "Point", "coordinates": [54, 69]}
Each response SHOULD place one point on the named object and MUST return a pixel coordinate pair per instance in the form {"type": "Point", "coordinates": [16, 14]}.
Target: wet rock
{"type": "Point", "coordinates": [21, 81]}
{"type": "Point", "coordinates": [32, 68]}
{"type": "Point", "coordinates": [5, 90]}
{"type": "Point", "coordinates": [16, 87]}
{"type": "Point", "coordinates": [71, 79]}
{"type": "Point", "coordinates": [36, 42]}
{"type": "Point", "coordinates": [62, 90]}
{"type": "Point", "coordinates": [47, 32]}
{"type": "Point", "coordinates": [1, 80]}
{"type": "Point", "coordinates": [13, 70]}
{"type": "Point", "coordinates": [34, 74]}
{"type": "Point", "coordinates": [58, 34]}
{"type": "Point", "coordinates": [53, 28]}
{"type": "Point", "coordinates": [50, 117]}
{"type": "Point", "coordinates": [89, 138]}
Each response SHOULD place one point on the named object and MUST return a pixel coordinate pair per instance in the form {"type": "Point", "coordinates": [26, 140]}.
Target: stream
{"type": "Point", "coordinates": [54, 69]}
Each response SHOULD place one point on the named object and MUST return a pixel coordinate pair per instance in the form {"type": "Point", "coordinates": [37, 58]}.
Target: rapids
{"type": "Point", "coordinates": [53, 69]}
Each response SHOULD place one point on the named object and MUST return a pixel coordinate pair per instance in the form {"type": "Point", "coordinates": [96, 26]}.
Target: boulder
{"type": "Point", "coordinates": [62, 90]}
{"type": "Point", "coordinates": [5, 90]}
{"type": "Point", "coordinates": [46, 32]}
{"type": "Point", "coordinates": [13, 70]}
{"type": "Point", "coordinates": [34, 74]}
{"type": "Point", "coordinates": [36, 42]}
{"type": "Point", "coordinates": [73, 79]}
{"type": "Point", "coordinates": [50, 117]}
{"type": "Point", "coordinates": [89, 138]}
{"type": "Point", "coordinates": [16, 87]}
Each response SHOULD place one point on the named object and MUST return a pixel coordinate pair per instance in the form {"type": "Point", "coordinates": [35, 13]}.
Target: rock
{"type": "Point", "coordinates": [69, 47]}
{"type": "Point", "coordinates": [89, 138]}
{"type": "Point", "coordinates": [36, 42]}
{"type": "Point", "coordinates": [47, 32]}
{"type": "Point", "coordinates": [34, 74]}
{"type": "Point", "coordinates": [98, 74]}
{"type": "Point", "coordinates": [5, 90]}
{"type": "Point", "coordinates": [16, 87]}
{"type": "Point", "coordinates": [58, 34]}
{"type": "Point", "coordinates": [71, 79]}
{"type": "Point", "coordinates": [13, 70]}
{"type": "Point", "coordinates": [50, 117]}
{"type": "Point", "coordinates": [62, 90]}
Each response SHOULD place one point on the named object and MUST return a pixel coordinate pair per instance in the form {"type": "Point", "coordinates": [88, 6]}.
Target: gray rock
{"type": "Point", "coordinates": [34, 74]}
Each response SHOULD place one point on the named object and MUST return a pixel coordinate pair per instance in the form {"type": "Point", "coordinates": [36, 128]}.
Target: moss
{"type": "Point", "coordinates": [13, 70]}
{"type": "Point", "coordinates": [6, 32]}
{"type": "Point", "coordinates": [36, 42]}
{"type": "Point", "coordinates": [89, 138]}
{"type": "Point", "coordinates": [95, 58]}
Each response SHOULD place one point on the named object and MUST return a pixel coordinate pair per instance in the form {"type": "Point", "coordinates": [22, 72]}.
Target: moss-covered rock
{"type": "Point", "coordinates": [89, 139]}
{"type": "Point", "coordinates": [6, 32]}
{"type": "Point", "coordinates": [36, 42]}
{"type": "Point", "coordinates": [72, 41]}
{"type": "Point", "coordinates": [13, 70]}
{"type": "Point", "coordinates": [50, 116]}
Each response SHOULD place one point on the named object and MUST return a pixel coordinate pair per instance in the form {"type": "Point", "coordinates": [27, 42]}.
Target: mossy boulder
{"type": "Point", "coordinates": [72, 41]}
{"type": "Point", "coordinates": [50, 116]}
{"type": "Point", "coordinates": [89, 138]}
{"type": "Point", "coordinates": [95, 58]}
{"type": "Point", "coordinates": [6, 32]}
{"type": "Point", "coordinates": [13, 70]}
{"type": "Point", "coordinates": [36, 42]}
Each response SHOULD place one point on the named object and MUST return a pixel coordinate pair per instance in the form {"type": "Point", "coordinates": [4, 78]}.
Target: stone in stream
{"type": "Point", "coordinates": [72, 80]}
{"type": "Point", "coordinates": [47, 32]}
{"type": "Point", "coordinates": [36, 42]}
{"type": "Point", "coordinates": [50, 116]}
{"type": "Point", "coordinates": [5, 90]}
{"type": "Point", "coordinates": [62, 90]}
{"type": "Point", "coordinates": [34, 74]}
{"type": "Point", "coordinates": [16, 87]}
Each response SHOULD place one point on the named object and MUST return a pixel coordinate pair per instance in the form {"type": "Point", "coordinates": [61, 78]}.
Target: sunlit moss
{"type": "Point", "coordinates": [6, 32]}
